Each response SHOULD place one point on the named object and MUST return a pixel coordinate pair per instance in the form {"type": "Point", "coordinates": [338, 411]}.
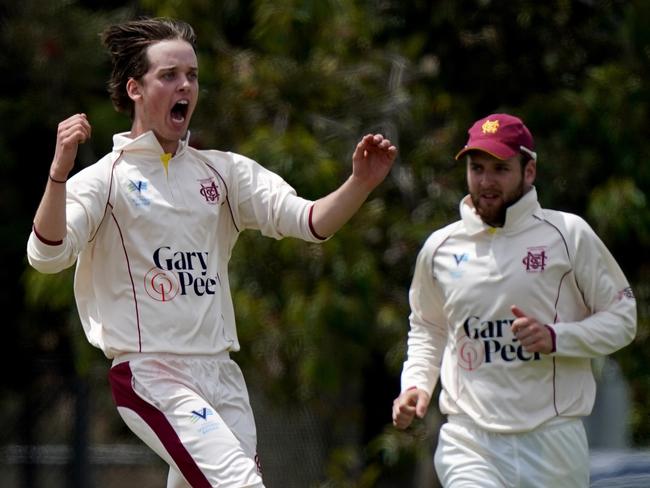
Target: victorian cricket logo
{"type": "Point", "coordinates": [201, 414]}
{"type": "Point", "coordinates": [459, 258]}
{"type": "Point", "coordinates": [137, 191]}
{"type": "Point", "coordinates": [200, 417]}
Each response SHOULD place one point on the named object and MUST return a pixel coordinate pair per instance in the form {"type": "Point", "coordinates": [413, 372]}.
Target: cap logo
{"type": "Point", "coordinates": [490, 126]}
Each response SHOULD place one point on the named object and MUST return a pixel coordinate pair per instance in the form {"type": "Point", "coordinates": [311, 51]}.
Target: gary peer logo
{"type": "Point", "coordinates": [484, 341]}
{"type": "Point", "coordinates": [210, 191]}
{"type": "Point", "coordinates": [535, 259]}
{"type": "Point", "coordinates": [179, 273]}
{"type": "Point", "coordinates": [471, 353]}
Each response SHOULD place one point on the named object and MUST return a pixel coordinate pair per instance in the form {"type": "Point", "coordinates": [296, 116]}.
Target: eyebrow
{"type": "Point", "coordinates": [175, 67]}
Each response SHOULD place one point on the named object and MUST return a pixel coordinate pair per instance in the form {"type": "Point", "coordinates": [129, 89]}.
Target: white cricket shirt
{"type": "Point", "coordinates": [152, 237]}
{"type": "Point", "coordinates": [552, 266]}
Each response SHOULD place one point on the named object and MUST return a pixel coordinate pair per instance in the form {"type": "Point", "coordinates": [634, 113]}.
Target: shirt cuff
{"type": "Point", "coordinates": [550, 329]}
{"type": "Point", "coordinates": [311, 225]}
{"type": "Point", "coordinates": [44, 240]}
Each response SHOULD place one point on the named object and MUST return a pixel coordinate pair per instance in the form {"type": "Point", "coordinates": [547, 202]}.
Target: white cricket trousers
{"type": "Point", "coordinates": [554, 455]}
{"type": "Point", "coordinates": [194, 412]}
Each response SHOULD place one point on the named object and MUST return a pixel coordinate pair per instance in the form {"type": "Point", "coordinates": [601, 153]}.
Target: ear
{"type": "Point", "coordinates": [133, 89]}
{"type": "Point", "coordinates": [530, 171]}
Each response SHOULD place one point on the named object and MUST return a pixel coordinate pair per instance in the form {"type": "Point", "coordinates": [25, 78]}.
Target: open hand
{"type": "Point", "coordinates": [372, 160]}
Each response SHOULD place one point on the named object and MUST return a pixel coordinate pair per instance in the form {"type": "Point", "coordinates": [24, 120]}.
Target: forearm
{"type": "Point", "coordinates": [598, 335]}
{"type": "Point", "coordinates": [425, 348]}
{"type": "Point", "coordinates": [332, 211]}
{"type": "Point", "coordinates": [50, 218]}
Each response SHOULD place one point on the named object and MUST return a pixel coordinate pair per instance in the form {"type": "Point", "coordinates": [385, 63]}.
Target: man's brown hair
{"type": "Point", "coordinates": [127, 45]}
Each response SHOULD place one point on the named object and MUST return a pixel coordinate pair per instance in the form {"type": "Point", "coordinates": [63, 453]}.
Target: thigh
{"type": "Point", "coordinates": [230, 398]}
{"type": "Point", "coordinates": [176, 480]}
{"type": "Point", "coordinates": [557, 456]}
{"type": "Point", "coordinates": [467, 458]}
{"type": "Point", "coordinates": [157, 404]}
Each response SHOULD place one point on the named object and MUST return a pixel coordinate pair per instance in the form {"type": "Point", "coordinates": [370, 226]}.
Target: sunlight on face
{"type": "Point", "coordinates": [494, 185]}
{"type": "Point", "coordinates": [166, 96]}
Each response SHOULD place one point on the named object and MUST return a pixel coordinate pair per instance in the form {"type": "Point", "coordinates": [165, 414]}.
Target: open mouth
{"type": "Point", "coordinates": [490, 195]}
{"type": "Point", "coordinates": [179, 110]}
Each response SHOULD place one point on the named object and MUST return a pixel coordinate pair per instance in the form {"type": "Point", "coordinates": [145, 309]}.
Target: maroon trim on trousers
{"type": "Point", "coordinates": [44, 240]}
{"type": "Point", "coordinates": [311, 224]}
{"type": "Point", "coordinates": [120, 377]}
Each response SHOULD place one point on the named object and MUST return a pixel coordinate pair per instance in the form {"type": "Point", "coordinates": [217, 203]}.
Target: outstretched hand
{"type": "Point", "coordinates": [71, 132]}
{"type": "Point", "coordinates": [372, 160]}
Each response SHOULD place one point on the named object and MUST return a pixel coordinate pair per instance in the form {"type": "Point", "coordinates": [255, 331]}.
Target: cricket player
{"type": "Point", "coordinates": [508, 306]}
{"type": "Point", "coordinates": [151, 227]}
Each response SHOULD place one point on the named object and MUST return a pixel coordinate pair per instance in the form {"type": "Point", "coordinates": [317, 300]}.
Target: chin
{"type": "Point", "coordinates": [495, 219]}
{"type": "Point", "coordinates": [176, 135]}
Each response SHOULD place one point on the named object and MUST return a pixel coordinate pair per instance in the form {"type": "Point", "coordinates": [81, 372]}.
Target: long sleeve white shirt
{"type": "Point", "coordinates": [552, 266]}
{"type": "Point", "coordinates": [152, 237]}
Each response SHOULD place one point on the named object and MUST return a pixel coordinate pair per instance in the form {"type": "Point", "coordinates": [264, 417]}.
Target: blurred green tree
{"type": "Point", "coordinates": [294, 84]}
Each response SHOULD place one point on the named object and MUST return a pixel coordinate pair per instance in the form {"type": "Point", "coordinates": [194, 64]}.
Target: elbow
{"type": "Point", "coordinates": [631, 330]}
{"type": "Point", "coordinates": [46, 258]}
{"type": "Point", "coordinates": [45, 266]}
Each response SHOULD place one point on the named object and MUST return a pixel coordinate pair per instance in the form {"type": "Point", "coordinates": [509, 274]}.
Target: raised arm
{"type": "Point", "coordinates": [371, 162]}
{"type": "Point", "coordinates": [49, 222]}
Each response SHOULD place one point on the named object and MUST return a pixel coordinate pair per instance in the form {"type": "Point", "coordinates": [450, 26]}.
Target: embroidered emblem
{"type": "Point", "coordinates": [209, 191]}
{"type": "Point", "coordinates": [490, 126]}
{"type": "Point", "coordinates": [536, 259]}
{"type": "Point", "coordinates": [460, 259]}
{"type": "Point", "coordinates": [201, 414]}
{"type": "Point", "coordinates": [137, 189]}
{"type": "Point", "coordinates": [625, 293]}
{"type": "Point", "coordinates": [201, 417]}
{"type": "Point", "coordinates": [138, 186]}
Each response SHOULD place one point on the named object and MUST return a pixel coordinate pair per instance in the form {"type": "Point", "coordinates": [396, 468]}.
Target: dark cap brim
{"type": "Point", "coordinates": [493, 148]}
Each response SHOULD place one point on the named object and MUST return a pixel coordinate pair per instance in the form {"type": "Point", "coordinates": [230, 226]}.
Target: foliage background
{"type": "Point", "coordinates": [294, 84]}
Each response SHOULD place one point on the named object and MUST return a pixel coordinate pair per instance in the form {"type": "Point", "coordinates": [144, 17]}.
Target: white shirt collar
{"type": "Point", "coordinates": [516, 214]}
{"type": "Point", "coordinates": [145, 142]}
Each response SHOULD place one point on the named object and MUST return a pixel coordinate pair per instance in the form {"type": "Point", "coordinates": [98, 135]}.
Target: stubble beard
{"type": "Point", "coordinates": [495, 215]}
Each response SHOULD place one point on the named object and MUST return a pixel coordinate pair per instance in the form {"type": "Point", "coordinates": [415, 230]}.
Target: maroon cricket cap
{"type": "Point", "coordinates": [501, 136]}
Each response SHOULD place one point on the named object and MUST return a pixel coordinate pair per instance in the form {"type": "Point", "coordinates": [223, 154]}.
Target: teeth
{"type": "Point", "coordinates": [183, 102]}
